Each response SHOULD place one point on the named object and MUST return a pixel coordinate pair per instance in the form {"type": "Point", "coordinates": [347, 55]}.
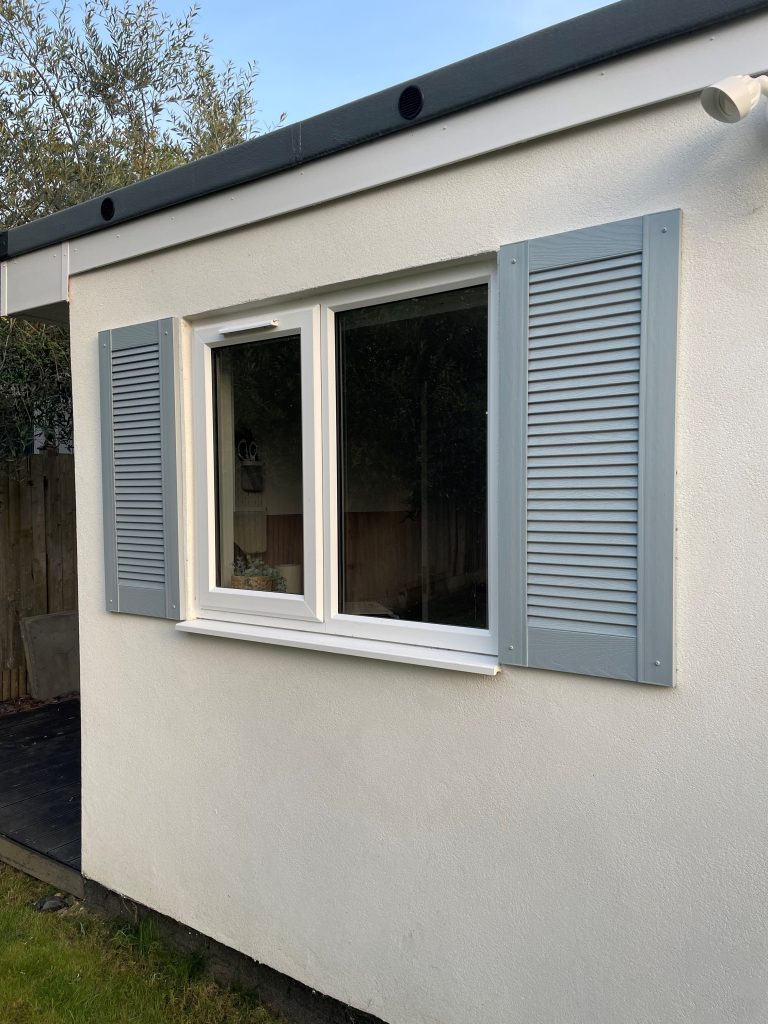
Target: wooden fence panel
{"type": "Point", "coordinates": [38, 553]}
{"type": "Point", "coordinates": [68, 538]}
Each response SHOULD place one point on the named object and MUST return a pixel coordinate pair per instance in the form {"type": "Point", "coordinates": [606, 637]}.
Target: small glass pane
{"type": "Point", "coordinates": [260, 522]}
{"type": "Point", "coordinates": [412, 387]}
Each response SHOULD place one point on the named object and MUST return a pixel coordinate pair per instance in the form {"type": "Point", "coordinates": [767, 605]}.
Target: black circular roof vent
{"type": "Point", "coordinates": [411, 101]}
{"type": "Point", "coordinates": [107, 209]}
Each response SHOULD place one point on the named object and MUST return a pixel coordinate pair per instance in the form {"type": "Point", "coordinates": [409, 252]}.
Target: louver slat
{"type": "Point", "coordinates": [550, 609]}
{"type": "Point", "coordinates": [588, 321]}
{"type": "Point", "coordinates": [139, 445]}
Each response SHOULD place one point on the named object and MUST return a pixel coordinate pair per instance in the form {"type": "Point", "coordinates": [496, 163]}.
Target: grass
{"type": "Point", "coordinates": [72, 967]}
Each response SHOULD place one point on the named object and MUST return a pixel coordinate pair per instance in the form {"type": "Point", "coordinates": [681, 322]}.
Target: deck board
{"type": "Point", "coordinates": [40, 781]}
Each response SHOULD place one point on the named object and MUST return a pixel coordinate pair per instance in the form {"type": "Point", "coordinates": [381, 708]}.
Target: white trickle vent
{"type": "Point", "coordinates": [582, 455]}
{"type": "Point", "coordinates": [138, 475]}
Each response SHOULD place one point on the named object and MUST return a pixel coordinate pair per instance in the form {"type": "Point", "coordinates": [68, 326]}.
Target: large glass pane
{"type": "Point", "coordinates": [259, 523]}
{"type": "Point", "coordinates": [412, 397]}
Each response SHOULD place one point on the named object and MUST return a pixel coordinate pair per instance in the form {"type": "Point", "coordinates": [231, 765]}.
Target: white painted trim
{"type": "Point", "coordinates": [614, 87]}
{"type": "Point", "coordinates": [402, 653]}
{"type": "Point", "coordinates": [35, 280]}
{"type": "Point", "coordinates": [329, 399]}
{"type": "Point", "coordinates": [304, 321]}
{"type": "Point", "coordinates": [64, 271]}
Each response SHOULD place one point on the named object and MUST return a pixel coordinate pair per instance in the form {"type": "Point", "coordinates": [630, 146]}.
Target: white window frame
{"type": "Point", "coordinates": [222, 602]}
{"type": "Point", "coordinates": [317, 611]}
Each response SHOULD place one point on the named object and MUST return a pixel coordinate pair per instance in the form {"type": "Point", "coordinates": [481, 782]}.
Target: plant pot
{"type": "Point", "coordinates": [252, 582]}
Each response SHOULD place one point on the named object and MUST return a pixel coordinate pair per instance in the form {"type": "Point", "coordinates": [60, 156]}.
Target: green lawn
{"type": "Point", "coordinates": [72, 967]}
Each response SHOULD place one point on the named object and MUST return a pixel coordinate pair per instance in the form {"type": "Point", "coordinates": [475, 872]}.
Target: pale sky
{"type": "Point", "coordinates": [315, 56]}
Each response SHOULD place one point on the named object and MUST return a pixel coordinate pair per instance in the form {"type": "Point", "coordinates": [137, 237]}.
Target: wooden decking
{"type": "Point", "coordinates": [40, 792]}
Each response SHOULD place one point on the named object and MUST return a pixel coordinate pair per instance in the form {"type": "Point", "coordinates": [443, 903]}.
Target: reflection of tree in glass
{"type": "Point", "coordinates": [413, 443]}
{"type": "Point", "coordinates": [266, 383]}
{"type": "Point", "coordinates": [413, 397]}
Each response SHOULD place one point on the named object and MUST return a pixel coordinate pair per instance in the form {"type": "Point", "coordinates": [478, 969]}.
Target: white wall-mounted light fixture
{"type": "Point", "coordinates": [733, 98]}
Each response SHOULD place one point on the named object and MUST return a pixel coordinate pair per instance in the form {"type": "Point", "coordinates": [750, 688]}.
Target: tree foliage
{"type": "Point", "coordinates": [35, 386]}
{"type": "Point", "coordinates": [88, 104]}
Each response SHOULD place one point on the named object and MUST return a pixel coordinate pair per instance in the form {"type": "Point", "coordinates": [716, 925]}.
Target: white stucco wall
{"type": "Point", "coordinates": [434, 847]}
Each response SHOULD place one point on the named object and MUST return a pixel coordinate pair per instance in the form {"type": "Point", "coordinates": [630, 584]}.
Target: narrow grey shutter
{"type": "Point", "coordinates": [138, 415]}
{"type": "Point", "coordinates": [587, 357]}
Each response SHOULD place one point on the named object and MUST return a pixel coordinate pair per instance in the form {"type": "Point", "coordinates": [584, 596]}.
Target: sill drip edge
{"type": "Point", "coordinates": [408, 654]}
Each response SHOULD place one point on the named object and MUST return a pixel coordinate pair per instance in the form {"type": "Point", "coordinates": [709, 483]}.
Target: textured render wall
{"type": "Point", "coordinates": [439, 848]}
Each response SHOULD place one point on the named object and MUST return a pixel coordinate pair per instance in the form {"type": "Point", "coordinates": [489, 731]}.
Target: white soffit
{"type": "Point", "coordinates": [604, 90]}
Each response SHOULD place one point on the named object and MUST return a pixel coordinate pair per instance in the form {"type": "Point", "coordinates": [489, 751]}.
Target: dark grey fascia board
{"type": "Point", "coordinates": [600, 35]}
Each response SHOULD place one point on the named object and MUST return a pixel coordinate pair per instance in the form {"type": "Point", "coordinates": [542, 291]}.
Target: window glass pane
{"type": "Point", "coordinates": [412, 387]}
{"type": "Point", "coordinates": [259, 523]}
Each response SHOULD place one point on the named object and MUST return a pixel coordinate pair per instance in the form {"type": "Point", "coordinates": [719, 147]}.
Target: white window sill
{"type": "Point", "coordinates": [432, 657]}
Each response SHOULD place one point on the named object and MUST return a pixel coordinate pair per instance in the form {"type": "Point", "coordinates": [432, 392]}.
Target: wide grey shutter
{"type": "Point", "coordinates": [138, 415]}
{"type": "Point", "coordinates": [587, 357]}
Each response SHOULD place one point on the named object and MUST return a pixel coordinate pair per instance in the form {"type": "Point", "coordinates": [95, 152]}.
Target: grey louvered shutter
{"type": "Point", "coordinates": [138, 414]}
{"type": "Point", "coordinates": [587, 356]}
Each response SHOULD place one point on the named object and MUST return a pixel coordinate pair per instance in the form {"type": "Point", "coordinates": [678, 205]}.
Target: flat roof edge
{"type": "Point", "coordinates": [600, 35]}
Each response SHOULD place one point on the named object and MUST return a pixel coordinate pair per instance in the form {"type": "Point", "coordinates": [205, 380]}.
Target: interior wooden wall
{"type": "Point", "coordinates": [383, 553]}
